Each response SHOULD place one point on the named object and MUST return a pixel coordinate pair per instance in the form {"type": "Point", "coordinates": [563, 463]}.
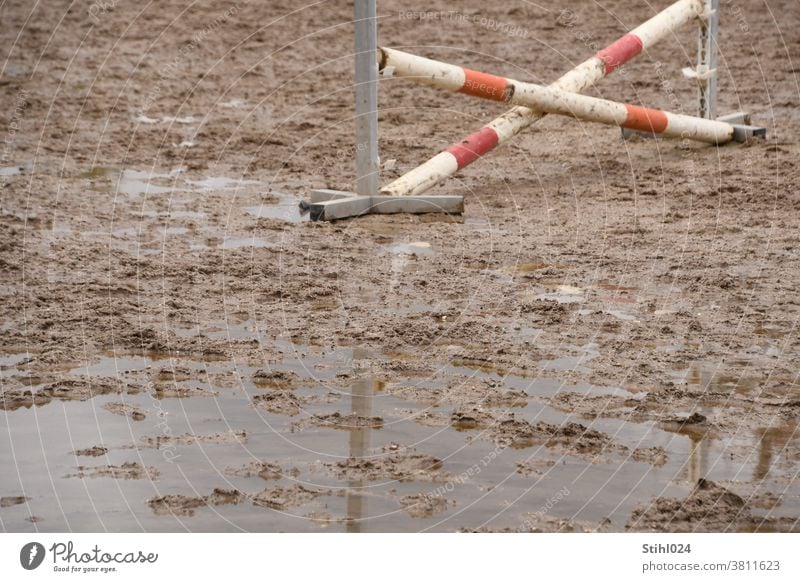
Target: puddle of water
{"type": "Point", "coordinates": [573, 363]}
{"type": "Point", "coordinates": [13, 360]}
{"type": "Point", "coordinates": [565, 294]}
{"type": "Point", "coordinates": [12, 171]}
{"type": "Point", "coordinates": [136, 182]}
{"type": "Point", "coordinates": [169, 214]}
{"type": "Point", "coordinates": [220, 183]}
{"type": "Point", "coordinates": [97, 172]}
{"type": "Point", "coordinates": [233, 104]}
{"type": "Point", "coordinates": [280, 206]}
{"type": "Point", "coordinates": [245, 242]}
{"type": "Point", "coordinates": [608, 489]}
{"type": "Point", "coordinates": [419, 248]}
{"type": "Point", "coordinates": [165, 119]}
{"type": "Point", "coordinates": [482, 225]}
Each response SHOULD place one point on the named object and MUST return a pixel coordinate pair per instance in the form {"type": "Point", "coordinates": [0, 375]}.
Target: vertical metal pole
{"type": "Point", "coordinates": [367, 162]}
{"type": "Point", "coordinates": [707, 61]}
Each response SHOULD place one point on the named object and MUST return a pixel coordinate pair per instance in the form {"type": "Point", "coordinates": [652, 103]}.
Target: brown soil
{"type": "Point", "coordinates": [627, 302]}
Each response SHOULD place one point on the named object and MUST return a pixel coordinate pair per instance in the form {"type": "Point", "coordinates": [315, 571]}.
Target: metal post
{"type": "Point", "coordinates": [707, 61]}
{"type": "Point", "coordinates": [367, 161]}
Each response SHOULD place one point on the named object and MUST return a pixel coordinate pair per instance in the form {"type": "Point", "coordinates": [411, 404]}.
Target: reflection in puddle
{"type": "Point", "coordinates": [361, 398]}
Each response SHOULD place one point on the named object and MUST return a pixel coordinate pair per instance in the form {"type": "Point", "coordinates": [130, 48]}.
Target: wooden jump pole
{"type": "Point", "coordinates": [552, 100]}
{"type": "Point", "coordinates": [579, 79]}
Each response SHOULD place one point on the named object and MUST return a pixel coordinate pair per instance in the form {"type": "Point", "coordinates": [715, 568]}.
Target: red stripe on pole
{"type": "Point", "coordinates": [643, 119]}
{"type": "Point", "coordinates": [474, 146]}
{"type": "Point", "coordinates": [485, 85]}
{"type": "Point", "coordinates": [620, 52]}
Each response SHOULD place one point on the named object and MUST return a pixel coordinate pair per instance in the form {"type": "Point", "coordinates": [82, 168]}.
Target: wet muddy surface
{"type": "Point", "coordinates": [606, 340]}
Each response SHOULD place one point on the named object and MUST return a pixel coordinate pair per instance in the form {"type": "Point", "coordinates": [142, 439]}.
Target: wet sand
{"type": "Point", "coordinates": [605, 341]}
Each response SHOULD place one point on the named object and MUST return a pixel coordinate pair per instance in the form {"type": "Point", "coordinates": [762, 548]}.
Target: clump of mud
{"type": "Point", "coordinates": [263, 469]}
{"type": "Point", "coordinates": [95, 451]}
{"type": "Point", "coordinates": [124, 471]}
{"type": "Point", "coordinates": [274, 378]}
{"type": "Point", "coordinates": [132, 412]}
{"type": "Point", "coordinates": [185, 506]}
{"type": "Point", "coordinates": [173, 374]}
{"type": "Point", "coordinates": [708, 508]}
{"type": "Point", "coordinates": [285, 497]}
{"type": "Point", "coordinates": [68, 389]}
{"type": "Point", "coordinates": [463, 391]}
{"type": "Point", "coordinates": [280, 402]}
{"type": "Point", "coordinates": [656, 456]}
{"type": "Point", "coordinates": [422, 505]}
{"type": "Point", "coordinates": [180, 391]}
{"type": "Point", "coordinates": [533, 467]}
{"type": "Point", "coordinates": [394, 463]}
{"type": "Point", "coordinates": [229, 437]}
{"type": "Point", "coordinates": [340, 421]}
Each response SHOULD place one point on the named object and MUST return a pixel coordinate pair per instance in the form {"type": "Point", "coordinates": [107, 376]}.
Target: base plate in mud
{"type": "Point", "coordinates": [335, 204]}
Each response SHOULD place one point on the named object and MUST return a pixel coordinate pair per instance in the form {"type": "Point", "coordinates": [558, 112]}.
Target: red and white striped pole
{"type": "Point", "coordinates": [552, 100]}
{"type": "Point", "coordinates": [582, 77]}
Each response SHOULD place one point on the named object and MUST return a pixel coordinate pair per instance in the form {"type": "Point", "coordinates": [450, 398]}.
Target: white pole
{"type": "Point", "coordinates": [366, 43]}
{"type": "Point", "coordinates": [552, 100]}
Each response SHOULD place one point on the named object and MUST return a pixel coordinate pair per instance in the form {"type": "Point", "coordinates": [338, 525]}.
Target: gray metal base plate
{"type": "Point", "coordinates": [335, 204]}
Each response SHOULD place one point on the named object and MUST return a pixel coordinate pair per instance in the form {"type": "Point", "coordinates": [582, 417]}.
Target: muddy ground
{"type": "Point", "coordinates": [605, 340]}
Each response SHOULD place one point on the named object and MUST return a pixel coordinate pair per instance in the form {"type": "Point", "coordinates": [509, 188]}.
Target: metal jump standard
{"type": "Point", "coordinates": [532, 102]}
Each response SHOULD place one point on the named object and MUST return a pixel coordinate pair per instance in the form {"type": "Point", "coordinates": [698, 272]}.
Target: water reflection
{"type": "Point", "coordinates": [772, 443]}
{"type": "Point", "coordinates": [361, 405]}
{"type": "Point", "coordinates": [697, 465]}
